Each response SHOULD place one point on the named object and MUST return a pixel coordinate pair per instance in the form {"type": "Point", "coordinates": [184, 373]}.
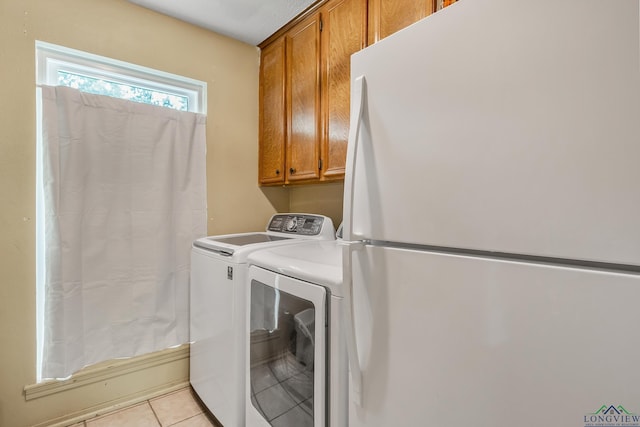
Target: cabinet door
{"type": "Point", "coordinates": [388, 16]}
{"type": "Point", "coordinates": [303, 100]}
{"type": "Point", "coordinates": [344, 32]}
{"type": "Point", "coordinates": [272, 114]}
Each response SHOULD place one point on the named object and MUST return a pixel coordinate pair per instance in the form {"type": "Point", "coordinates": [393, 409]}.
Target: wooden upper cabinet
{"type": "Point", "coordinates": [305, 84]}
{"type": "Point", "coordinates": [271, 161]}
{"type": "Point", "coordinates": [388, 16]}
{"type": "Point", "coordinates": [304, 94]}
{"type": "Point", "coordinates": [319, 53]}
{"type": "Point", "coordinates": [303, 100]}
{"type": "Point", "coordinates": [344, 32]}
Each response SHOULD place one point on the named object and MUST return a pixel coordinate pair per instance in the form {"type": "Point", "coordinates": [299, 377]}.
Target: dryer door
{"type": "Point", "coordinates": [287, 351]}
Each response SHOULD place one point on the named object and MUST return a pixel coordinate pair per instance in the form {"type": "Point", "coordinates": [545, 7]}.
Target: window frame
{"type": "Point", "coordinates": [51, 58]}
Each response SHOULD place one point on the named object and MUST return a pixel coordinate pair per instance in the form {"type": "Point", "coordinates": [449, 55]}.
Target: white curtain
{"type": "Point", "coordinates": [125, 196]}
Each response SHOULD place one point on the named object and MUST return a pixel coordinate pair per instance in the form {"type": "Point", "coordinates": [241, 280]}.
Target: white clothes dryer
{"type": "Point", "coordinates": [218, 307]}
{"type": "Point", "coordinates": [297, 369]}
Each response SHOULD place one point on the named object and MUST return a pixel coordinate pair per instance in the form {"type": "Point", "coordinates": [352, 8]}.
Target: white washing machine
{"type": "Point", "coordinates": [218, 307]}
{"type": "Point", "coordinates": [297, 365]}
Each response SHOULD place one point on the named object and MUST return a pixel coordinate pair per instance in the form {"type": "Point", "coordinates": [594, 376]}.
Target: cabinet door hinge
{"type": "Point", "coordinates": [320, 164]}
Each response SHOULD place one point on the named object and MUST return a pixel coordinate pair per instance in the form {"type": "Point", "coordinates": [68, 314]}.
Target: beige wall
{"type": "Point", "coordinates": [120, 30]}
{"type": "Point", "coordinates": [325, 199]}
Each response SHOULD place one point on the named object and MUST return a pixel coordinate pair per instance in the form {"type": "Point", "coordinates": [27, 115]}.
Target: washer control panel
{"type": "Point", "coordinates": [299, 224]}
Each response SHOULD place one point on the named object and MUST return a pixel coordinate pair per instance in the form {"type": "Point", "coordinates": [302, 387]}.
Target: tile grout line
{"type": "Point", "coordinates": [192, 398]}
{"type": "Point", "coordinates": [190, 395]}
{"type": "Point", "coordinates": [154, 413]}
{"type": "Point", "coordinates": [188, 418]}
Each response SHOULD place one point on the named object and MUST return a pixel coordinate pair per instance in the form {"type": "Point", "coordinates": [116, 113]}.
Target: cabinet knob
{"type": "Point", "coordinates": [292, 171]}
{"type": "Point", "coordinates": [277, 171]}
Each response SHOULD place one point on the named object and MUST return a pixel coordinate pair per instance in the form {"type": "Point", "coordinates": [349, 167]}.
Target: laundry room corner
{"type": "Point", "coordinates": [323, 199]}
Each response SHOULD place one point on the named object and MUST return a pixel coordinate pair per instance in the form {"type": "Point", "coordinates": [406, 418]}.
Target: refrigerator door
{"type": "Point", "coordinates": [449, 341]}
{"type": "Point", "coordinates": [502, 126]}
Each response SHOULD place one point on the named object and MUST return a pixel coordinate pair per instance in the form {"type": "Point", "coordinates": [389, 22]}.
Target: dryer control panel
{"type": "Point", "coordinates": [299, 224]}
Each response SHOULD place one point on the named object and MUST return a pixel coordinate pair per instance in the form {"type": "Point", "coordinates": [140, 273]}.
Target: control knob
{"type": "Point", "coordinates": [291, 224]}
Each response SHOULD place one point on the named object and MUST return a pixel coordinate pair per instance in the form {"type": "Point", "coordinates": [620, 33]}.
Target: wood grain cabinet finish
{"type": "Point", "coordinates": [388, 16]}
{"type": "Point", "coordinates": [315, 102]}
{"type": "Point", "coordinates": [271, 157]}
{"type": "Point", "coordinates": [303, 100]}
{"type": "Point", "coordinates": [343, 34]}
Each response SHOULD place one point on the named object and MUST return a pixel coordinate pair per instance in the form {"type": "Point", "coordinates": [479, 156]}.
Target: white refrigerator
{"type": "Point", "coordinates": [492, 219]}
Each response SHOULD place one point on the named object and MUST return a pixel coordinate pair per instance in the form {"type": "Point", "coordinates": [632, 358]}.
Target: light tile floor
{"type": "Point", "coordinates": [181, 408]}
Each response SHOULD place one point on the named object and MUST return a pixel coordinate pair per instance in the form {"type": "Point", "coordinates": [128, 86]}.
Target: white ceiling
{"type": "Point", "coordinates": [250, 21]}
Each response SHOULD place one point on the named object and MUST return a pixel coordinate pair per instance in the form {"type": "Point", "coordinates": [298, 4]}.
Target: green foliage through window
{"type": "Point", "coordinates": [122, 91]}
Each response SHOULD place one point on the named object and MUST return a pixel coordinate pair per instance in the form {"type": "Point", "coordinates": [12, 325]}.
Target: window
{"type": "Point", "coordinates": [60, 66]}
{"type": "Point", "coordinates": [123, 90]}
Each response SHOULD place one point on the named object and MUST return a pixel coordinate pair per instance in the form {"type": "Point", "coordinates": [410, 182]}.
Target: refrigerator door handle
{"type": "Point", "coordinates": [349, 319]}
{"type": "Point", "coordinates": [357, 107]}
